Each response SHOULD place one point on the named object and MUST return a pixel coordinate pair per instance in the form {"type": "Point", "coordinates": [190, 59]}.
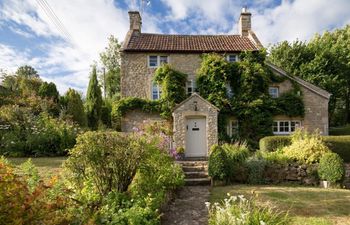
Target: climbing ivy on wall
{"type": "Point", "coordinates": [250, 102]}
{"type": "Point", "coordinates": [173, 85]}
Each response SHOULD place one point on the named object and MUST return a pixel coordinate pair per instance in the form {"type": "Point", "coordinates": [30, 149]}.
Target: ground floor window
{"type": "Point", "coordinates": [285, 126]}
{"type": "Point", "coordinates": [232, 128]}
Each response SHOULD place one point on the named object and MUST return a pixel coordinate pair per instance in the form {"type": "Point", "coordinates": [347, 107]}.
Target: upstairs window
{"type": "Point", "coordinates": [232, 58]}
{"type": "Point", "coordinates": [274, 92]}
{"type": "Point", "coordinates": [191, 87]}
{"type": "Point", "coordinates": [232, 128]}
{"type": "Point", "coordinates": [229, 91]}
{"type": "Point", "coordinates": [156, 91]}
{"type": "Point", "coordinates": [155, 60]}
{"type": "Point", "coordinates": [285, 127]}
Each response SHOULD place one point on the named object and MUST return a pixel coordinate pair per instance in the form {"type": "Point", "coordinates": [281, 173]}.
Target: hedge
{"type": "Point", "coordinates": [338, 144]}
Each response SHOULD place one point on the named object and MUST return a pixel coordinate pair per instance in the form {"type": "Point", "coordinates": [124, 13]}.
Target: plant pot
{"type": "Point", "coordinates": [325, 184]}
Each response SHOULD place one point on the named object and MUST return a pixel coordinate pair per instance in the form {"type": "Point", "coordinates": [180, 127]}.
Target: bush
{"type": "Point", "coordinates": [106, 160]}
{"type": "Point", "coordinates": [25, 200]}
{"type": "Point", "coordinates": [339, 145]}
{"type": "Point", "coordinates": [241, 211]}
{"type": "Point", "coordinates": [217, 163]}
{"type": "Point", "coordinates": [225, 160]}
{"type": "Point", "coordinates": [272, 143]}
{"type": "Point", "coordinates": [256, 169]}
{"type": "Point", "coordinates": [338, 131]}
{"type": "Point", "coordinates": [331, 168]}
{"type": "Point", "coordinates": [306, 148]}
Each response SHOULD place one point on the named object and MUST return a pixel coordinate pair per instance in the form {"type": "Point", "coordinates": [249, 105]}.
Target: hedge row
{"type": "Point", "coordinates": [338, 144]}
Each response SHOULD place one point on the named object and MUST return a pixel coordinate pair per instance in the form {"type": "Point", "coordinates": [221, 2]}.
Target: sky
{"type": "Point", "coordinates": [61, 39]}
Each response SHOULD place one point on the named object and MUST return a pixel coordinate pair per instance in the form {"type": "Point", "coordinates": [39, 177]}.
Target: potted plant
{"type": "Point", "coordinates": [180, 151]}
{"type": "Point", "coordinates": [330, 169]}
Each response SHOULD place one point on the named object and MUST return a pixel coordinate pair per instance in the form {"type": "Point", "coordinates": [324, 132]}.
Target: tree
{"type": "Point", "coordinates": [27, 72]}
{"type": "Point", "coordinates": [93, 101]}
{"type": "Point", "coordinates": [323, 61]}
{"type": "Point", "coordinates": [49, 90]}
{"type": "Point", "coordinates": [74, 107]}
{"type": "Point", "coordinates": [110, 58]}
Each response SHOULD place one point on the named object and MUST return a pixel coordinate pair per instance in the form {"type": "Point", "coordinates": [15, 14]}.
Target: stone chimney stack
{"type": "Point", "coordinates": [135, 21]}
{"type": "Point", "coordinates": [245, 23]}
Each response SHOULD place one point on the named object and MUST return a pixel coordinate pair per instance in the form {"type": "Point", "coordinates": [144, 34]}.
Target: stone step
{"type": "Point", "coordinates": [194, 168]}
{"type": "Point", "coordinates": [196, 175]}
{"type": "Point", "coordinates": [193, 163]}
{"type": "Point", "coordinates": [197, 181]}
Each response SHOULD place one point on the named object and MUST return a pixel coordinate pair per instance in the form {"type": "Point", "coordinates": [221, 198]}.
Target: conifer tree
{"type": "Point", "coordinates": [93, 101]}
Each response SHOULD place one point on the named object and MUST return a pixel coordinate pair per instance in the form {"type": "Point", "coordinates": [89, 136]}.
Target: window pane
{"type": "Point", "coordinates": [163, 59]}
{"type": "Point", "coordinates": [153, 61]}
{"type": "Point", "coordinates": [190, 87]}
{"type": "Point", "coordinates": [294, 125]}
{"type": "Point", "coordinates": [234, 127]}
{"type": "Point", "coordinates": [156, 92]}
{"type": "Point", "coordinates": [273, 91]}
{"type": "Point", "coordinates": [229, 91]}
{"type": "Point", "coordinates": [284, 126]}
{"type": "Point", "coordinates": [275, 126]}
{"type": "Point", "coordinates": [232, 58]}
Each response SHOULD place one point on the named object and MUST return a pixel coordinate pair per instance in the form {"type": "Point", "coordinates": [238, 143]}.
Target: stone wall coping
{"type": "Point", "coordinates": [193, 96]}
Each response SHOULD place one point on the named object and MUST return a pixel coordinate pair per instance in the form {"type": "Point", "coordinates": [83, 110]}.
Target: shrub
{"type": "Point", "coordinates": [256, 168]}
{"type": "Point", "coordinates": [217, 163]}
{"type": "Point", "coordinates": [272, 158]}
{"type": "Point", "coordinates": [106, 160]}
{"type": "Point", "coordinates": [339, 145]}
{"type": "Point", "coordinates": [23, 201]}
{"type": "Point", "coordinates": [331, 167]}
{"type": "Point", "coordinates": [241, 211]}
{"type": "Point", "coordinates": [306, 148]}
{"type": "Point", "coordinates": [272, 143]}
{"type": "Point", "coordinates": [225, 160]}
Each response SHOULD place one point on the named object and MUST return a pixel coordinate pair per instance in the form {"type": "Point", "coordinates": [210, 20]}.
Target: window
{"type": "Point", "coordinates": [285, 127]}
{"type": "Point", "coordinates": [156, 91]}
{"type": "Point", "coordinates": [232, 58]}
{"type": "Point", "coordinates": [232, 128]}
{"type": "Point", "coordinates": [273, 91]}
{"type": "Point", "coordinates": [191, 87]}
{"type": "Point", "coordinates": [229, 90]}
{"type": "Point", "coordinates": [155, 60]}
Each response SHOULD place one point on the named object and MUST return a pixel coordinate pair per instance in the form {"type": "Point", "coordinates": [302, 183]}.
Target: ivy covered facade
{"type": "Point", "coordinates": [212, 88]}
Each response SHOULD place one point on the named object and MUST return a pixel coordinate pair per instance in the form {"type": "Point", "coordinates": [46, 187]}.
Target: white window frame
{"type": "Point", "coordinates": [158, 60]}
{"type": "Point", "coordinates": [229, 91]}
{"type": "Point", "coordinates": [279, 132]}
{"type": "Point", "coordinates": [228, 58]}
{"type": "Point", "coordinates": [277, 92]}
{"type": "Point", "coordinates": [191, 84]}
{"type": "Point", "coordinates": [159, 91]}
{"type": "Point", "coordinates": [230, 127]}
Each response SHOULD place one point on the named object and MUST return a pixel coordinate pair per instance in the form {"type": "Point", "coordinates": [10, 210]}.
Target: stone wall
{"type": "Point", "coordinates": [136, 118]}
{"type": "Point", "coordinates": [136, 76]}
{"type": "Point", "coordinates": [185, 110]}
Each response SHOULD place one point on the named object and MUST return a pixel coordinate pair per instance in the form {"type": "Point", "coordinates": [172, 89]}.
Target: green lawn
{"type": "Point", "coordinates": [306, 205]}
{"type": "Point", "coordinates": [47, 166]}
{"type": "Point", "coordinates": [345, 130]}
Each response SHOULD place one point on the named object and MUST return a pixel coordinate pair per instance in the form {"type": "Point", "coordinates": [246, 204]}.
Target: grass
{"type": "Point", "coordinates": [47, 166]}
{"type": "Point", "coordinates": [344, 130]}
{"type": "Point", "coordinates": [306, 205]}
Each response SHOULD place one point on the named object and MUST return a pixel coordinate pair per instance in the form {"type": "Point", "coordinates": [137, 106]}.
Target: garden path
{"type": "Point", "coordinates": [188, 208]}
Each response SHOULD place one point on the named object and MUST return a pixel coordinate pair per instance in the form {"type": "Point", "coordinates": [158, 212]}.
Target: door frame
{"type": "Point", "coordinates": [206, 132]}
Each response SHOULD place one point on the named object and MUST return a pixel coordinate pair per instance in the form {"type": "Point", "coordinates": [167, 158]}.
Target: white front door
{"type": "Point", "coordinates": [196, 138]}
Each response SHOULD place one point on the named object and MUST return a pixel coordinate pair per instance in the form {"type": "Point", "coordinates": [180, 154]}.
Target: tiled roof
{"type": "Point", "coordinates": [189, 43]}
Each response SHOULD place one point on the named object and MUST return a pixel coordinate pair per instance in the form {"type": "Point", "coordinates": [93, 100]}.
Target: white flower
{"type": "Point", "coordinates": [262, 222]}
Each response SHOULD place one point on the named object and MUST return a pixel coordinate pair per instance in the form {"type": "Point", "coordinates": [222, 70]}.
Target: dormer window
{"type": "Point", "coordinates": [156, 60]}
{"type": "Point", "coordinates": [274, 92]}
{"type": "Point", "coordinates": [232, 58]}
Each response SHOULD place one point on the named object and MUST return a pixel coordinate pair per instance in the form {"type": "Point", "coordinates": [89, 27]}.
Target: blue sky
{"type": "Point", "coordinates": [63, 54]}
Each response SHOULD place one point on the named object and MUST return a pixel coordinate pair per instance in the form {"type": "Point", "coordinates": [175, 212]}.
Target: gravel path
{"type": "Point", "coordinates": [188, 208]}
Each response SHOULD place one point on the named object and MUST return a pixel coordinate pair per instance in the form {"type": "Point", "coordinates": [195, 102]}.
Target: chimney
{"type": "Point", "coordinates": [135, 21]}
{"type": "Point", "coordinates": [245, 23]}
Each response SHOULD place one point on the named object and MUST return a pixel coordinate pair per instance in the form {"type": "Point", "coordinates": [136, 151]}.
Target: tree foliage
{"type": "Point", "coordinates": [323, 61]}
{"type": "Point", "coordinates": [27, 72]}
{"type": "Point", "coordinates": [49, 90]}
{"type": "Point", "coordinates": [74, 107]}
{"type": "Point", "coordinates": [93, 101]}
{"type": "Point", "coordinates": [110, 59]}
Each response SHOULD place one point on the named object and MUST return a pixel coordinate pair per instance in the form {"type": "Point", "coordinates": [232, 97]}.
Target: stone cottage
{"type": "Point", "coordinates": [195, 119]}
